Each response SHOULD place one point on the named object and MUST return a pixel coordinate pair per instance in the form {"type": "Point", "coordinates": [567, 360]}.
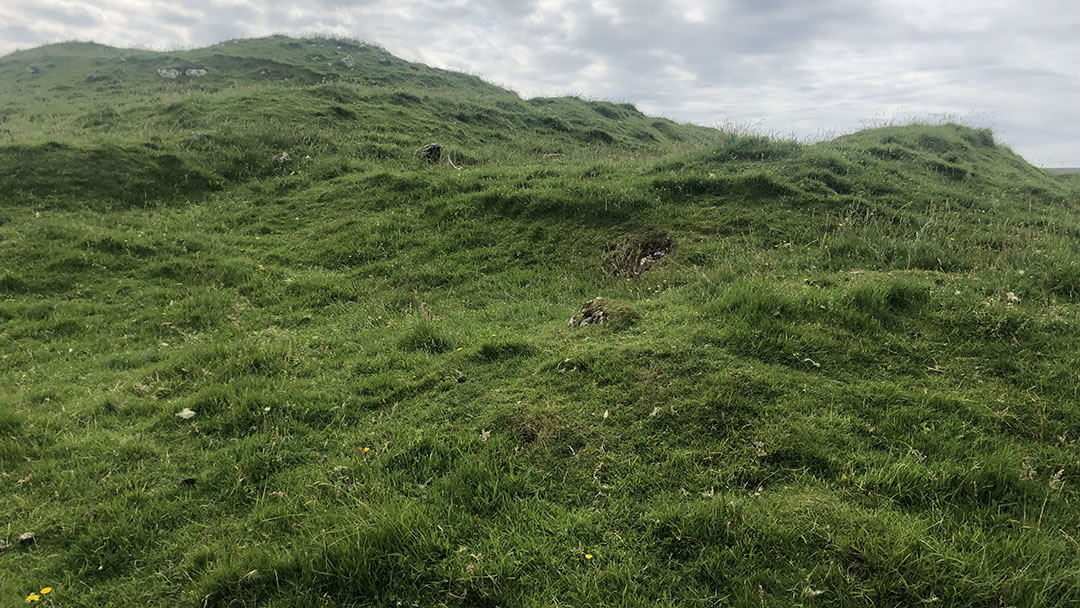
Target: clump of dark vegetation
{"type": "Point", "coordinates": [631, 256]}
{"type": "Point", "coordinates": [840, 374]}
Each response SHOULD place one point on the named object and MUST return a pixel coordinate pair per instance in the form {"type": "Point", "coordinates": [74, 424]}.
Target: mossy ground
{"type": "Point", "coordinates": [854, 380]}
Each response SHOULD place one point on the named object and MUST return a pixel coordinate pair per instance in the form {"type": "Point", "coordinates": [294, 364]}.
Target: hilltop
{"type": "Point", "coordinates": [842, 373]}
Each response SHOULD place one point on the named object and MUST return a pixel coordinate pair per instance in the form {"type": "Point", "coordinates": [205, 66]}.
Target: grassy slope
{"type": "Point", "coordinates": [826, 395]}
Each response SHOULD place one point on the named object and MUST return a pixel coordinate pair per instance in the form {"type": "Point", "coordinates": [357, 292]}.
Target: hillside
{"type": "Point", "coordinates": [844, 373]}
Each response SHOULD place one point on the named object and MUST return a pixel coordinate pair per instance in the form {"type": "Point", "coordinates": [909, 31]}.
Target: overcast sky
{"type": "Point", "coordinates": [812, 68]}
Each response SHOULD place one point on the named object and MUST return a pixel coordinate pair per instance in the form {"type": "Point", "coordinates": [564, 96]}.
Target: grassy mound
{"type": "Point", "coordinates": [841, 374]}
{"type": "Point", "coordinates": [120, 176]}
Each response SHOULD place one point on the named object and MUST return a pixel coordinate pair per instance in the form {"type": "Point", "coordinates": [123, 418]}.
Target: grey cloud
{"type": "Point", "coordinates": [57, 16]}
{"type": "Point", "coordinates": [18, 36]}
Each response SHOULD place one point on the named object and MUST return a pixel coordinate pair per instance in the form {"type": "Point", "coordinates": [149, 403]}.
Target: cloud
{"type": "Point", "coordinates": [789, 65]}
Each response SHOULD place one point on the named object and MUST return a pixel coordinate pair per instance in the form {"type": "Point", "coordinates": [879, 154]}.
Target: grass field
{"type": "Point", "coordinates": [853, 379]}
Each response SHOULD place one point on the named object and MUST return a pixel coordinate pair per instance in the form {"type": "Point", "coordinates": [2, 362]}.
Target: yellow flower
{"type": "Point", "coordinates": [460, 347]}
{"type": "Point", "coordinates": [33, 597]}
{"type": "Point", "coordinates": [588, 556]}
{"type": "Point", "coordinates": [46, 590]}
{"type": "Point", "coordinates": [366, 450]}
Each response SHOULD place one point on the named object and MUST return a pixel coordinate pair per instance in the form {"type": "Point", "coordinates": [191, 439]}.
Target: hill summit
{"type": "Point", "coordinates": [264, 344]}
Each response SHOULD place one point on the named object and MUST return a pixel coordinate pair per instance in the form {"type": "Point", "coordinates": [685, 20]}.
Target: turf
{"type": "Point", "coordinates": [852, 380]}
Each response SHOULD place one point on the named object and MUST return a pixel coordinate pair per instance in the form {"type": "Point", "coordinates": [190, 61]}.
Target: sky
{"type": "Point", "coordinates": [811, 69]}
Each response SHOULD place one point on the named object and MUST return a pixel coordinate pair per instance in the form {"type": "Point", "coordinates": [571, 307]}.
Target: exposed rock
{"type": "Point", "coordinates": [32, 69]}
{"type": "Point", "coordinates": [27, 538]}
{"type": "Point", "coordinates": [200, 137]}
{"type": "Point", "coordinates": [648, 260]}
{"type": "Point", "coordinates": [431, 153]}
{"type": "Point", "coordinates": [384, 59]}
{"type": "Point", "coordinates": [185, 414]}
{"type": "Point", "coordinates": [281, 158]}
{"type": "Point", "coordinates": [169, 73]}
{"type": "Point", "coordinates": [195, 72]}
{"type": "Point", "coordinates": [594, 312]}
{"type": "Point", "coordinates": [3, 545]}
{"type": "Point", "coordinates": [599, 311]}
{"type": "Point", "coordinates": [348, 61]}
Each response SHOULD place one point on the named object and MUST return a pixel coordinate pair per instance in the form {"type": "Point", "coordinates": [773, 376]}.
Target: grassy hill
{"type": "Point", "coordinates": [844, 373]}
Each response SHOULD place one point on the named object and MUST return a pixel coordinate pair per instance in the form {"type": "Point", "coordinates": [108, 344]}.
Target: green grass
{"type": "Point", "coordinates": [852, 381]}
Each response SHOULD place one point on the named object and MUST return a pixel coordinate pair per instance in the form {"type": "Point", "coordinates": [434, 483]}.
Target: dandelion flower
{"type": "Point", "coordinates": [33, 597]}
{"type": "Point", "coordinates": [366, 450]}
{"type": "Point", "coordinates": [46, 590]}
{"type": "Point", "coordinates": [588, 556]}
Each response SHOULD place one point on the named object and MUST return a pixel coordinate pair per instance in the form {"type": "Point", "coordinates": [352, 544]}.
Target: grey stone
{"type": "Point", "coordinates": [195, 72]}
{"type": "Point", "coordinates": [348, 61]}
{"type": "Point", "coordinates": [169, 73]}
{"type": "Point", "coordinates": [594, 312]}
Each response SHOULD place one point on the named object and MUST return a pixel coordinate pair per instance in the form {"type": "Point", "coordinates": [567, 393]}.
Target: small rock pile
{"type": "Point", "coordinates": [594, 312]}
{"type": "Point", "coordinates": [174, 73]}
